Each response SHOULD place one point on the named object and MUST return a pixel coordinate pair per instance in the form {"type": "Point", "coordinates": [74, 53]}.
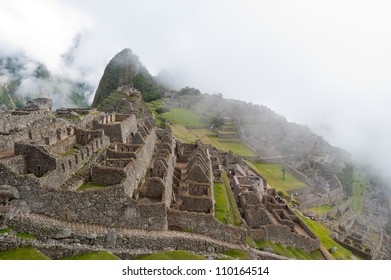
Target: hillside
{"type": "Point", "coordinates": [125, 68]}
{"type": "Point", "coordinates": [22, 78]}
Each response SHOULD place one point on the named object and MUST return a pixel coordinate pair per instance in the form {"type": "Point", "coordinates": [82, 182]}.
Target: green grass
{"type": "Point", "coordinates": [172, 255]}
{"type": "Point", "coordinates": [71, 151]}
{"type": "Point", "coordinates": [187, 126]}
{"type": "Point", "coordinates": [23, 253]}
{"type": "Point", "coordinates": [355, 184]}
{"type": "Point", "coordinates": [102, 255]}
{"type": "Point", "coordinates": [233, 207]}
{"type": "Point", "coordinates": [322, 209]}
{"type": "Point", "coordinates": [273, 175]}
{"type": "Point", "coordinates": [18, 234]}
{"type": "Point", "coordinates": [323, 234]}
{"type": "Point", "coordinates": [226, 210]}
{"type": "Point", "coordinates": [183, 117]}
{"type": "Point", "coordinates": [88, 186]}
{"type": "Point", "coordinates": [290, 252]}
{"type": "Point", "coordinates": [183, 134]}
{"type": "Point", "coordinates": [360, 187]}
{"type": "Point", "coordinates": [221, 203]}
{"type": "Point", "coordinates": [237, 254]}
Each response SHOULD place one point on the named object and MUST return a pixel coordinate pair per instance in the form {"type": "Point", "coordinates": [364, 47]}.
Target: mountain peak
{"type": "Point", "coordinates": [125, 68]}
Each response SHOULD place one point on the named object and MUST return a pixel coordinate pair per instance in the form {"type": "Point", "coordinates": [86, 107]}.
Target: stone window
{"type": "Point", "coordinates": [70, 163]}
{"type": "Point", "coordinates": [76, 159]}
{"type": "Point", "coordinates": [63, 167]}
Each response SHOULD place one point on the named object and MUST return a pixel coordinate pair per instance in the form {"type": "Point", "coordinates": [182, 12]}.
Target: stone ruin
{"type": "Point", "coordinates": [149, 181]}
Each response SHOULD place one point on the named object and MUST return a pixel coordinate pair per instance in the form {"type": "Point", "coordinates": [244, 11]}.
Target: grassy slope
{"type": "Point", "coordinates": [173, 255]}
{"type": "Point", "coordinates": [291, 252]}
{"type": "Point", "coordinates": [183, 117]}
{"type": "Point", "coordinates": [188, 127]}
{"type": "Point", "coordinates": [322, 209]}
{"type": "Point", "coordinates": [24, 253]}
{"type": "Point", "coordinates": [326, 241]}
{"type": "Point", "coordinates": [273, 175]}
{"type": "Point", "coordinates": [237, 254]}
{"type": "Point", "coordinates": [94, 256]}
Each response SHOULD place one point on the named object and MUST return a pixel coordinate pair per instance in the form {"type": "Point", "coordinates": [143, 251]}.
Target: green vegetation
{"type": "Point", "coordinates": [355, 184]}
{"type": "Point", "coordinates": [215, 122]}
{"type": "Point", "coordinates": [162, 110]}
{"type": "Point", "coordinates": [183, 117]}
{"type": "Point", "coordinates": [172, 255]}
{"type": "Point", "coordinates": [71, 151]}
{"type": "Point", "coordinates": [234, 211]}
{"type": "Point", "coordinates": [23, 253]}
{"type": "Point", "coordinates": [102, 255]}
{"type": "Point", "coordinates": [273, 175]}
{"type": "Point", "coordinates": [290, 252]}
{"type": "Point", "coordinates": [189, 91]}
{"type": "Point", "coordinates": [221, 204]}
{"type": "Point", "coordinates": [18, 234]}
{"type": "Point", "coordinates": [237, 254]}
{"type": "Point", "coordinates": [121, 70]}
{"type": "Point", "coordinates": [322, 209]}
{"type": "Point", "coordinates": [250, 242]}
{"type": "Point", "coordinates": [88, 186]}
{"type": "Point", "coordinates": [188, 127]}
{"type": "Point", "coordinates": [327, 242]}
{"type": "Point", "coordinates": [226, 210]}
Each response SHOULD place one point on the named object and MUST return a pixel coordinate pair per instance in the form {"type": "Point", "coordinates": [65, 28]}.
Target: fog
{"type": "Point", "coordinates": [325, 64]}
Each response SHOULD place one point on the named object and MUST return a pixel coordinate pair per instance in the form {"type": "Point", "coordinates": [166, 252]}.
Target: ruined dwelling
{"type": "Point", "coordinates": [148, 181]}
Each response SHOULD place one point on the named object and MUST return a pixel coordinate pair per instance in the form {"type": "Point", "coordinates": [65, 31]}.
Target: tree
{"type": "Point", "coordinates": [215, 122]}
{"type": "Point", "coordinates": [283, 172]}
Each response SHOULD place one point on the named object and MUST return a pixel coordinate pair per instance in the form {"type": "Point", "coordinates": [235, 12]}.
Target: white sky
{"type": "Point", "coordinates": [326, 64]}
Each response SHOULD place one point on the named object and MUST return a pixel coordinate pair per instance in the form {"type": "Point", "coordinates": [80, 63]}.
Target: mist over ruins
{"type": "Point", "coordinates": [148, 170]}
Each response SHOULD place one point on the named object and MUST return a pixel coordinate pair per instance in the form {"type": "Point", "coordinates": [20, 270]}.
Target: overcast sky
{"type": "Point", "coordinates": [326, 64]}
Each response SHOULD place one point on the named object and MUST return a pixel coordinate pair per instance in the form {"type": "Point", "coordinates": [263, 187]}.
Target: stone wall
{"type": "Point", "coordinates": [109, 206]}
{"type": "Point", "coordinates": [201, 204]}
{"type": "Point", "coordinates": [138, 168]}
{"type": "Point", "coordinates": [118, 127]}
{"type": "Point", "coordinates": [205, 224]}
{"type": "Point", "coordinates": [283, 234]}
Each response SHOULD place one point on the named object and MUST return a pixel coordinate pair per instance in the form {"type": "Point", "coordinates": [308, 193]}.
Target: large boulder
{"type": "Point", "coordinates": [8, 193]}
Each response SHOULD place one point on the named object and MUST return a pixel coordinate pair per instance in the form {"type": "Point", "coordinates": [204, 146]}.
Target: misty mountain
{"type": "Point", "coordinates": [22, 78]}
{"type": "Point", "coordinates": [125, 68]}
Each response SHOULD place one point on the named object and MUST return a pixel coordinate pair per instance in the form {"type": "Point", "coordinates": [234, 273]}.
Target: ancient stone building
{"type": "Point", "coordinates": [195, 192]}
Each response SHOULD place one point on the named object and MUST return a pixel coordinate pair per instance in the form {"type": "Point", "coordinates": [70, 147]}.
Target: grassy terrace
{"type": "Point", "coordinates": [273, 175]}
{"type": "Point", "coordinates": [226, 210]}
{"type": "Point", "coordinates": [172, 255]}
{"type": "Point", "coordinates": [237, 254]}
{"type": "Point", "coordinates": [188, 127]}
{"type": "Point", "coordinates": [326, 241]}
{"type": "Point", "coordinates": [23, 253]}
{"type": "Point", "coordinates": [88, 186]}
{"type": "Point", "coordinates": [290, 252]}
{"type": "Point", "coordinates": [322, 209]}
{"type": "Point", "coordinates": [102, 255]}
{"type": "Point", "coordinates": [183, 117]}
{"type": "Point", "coordinates": [18, 234]}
